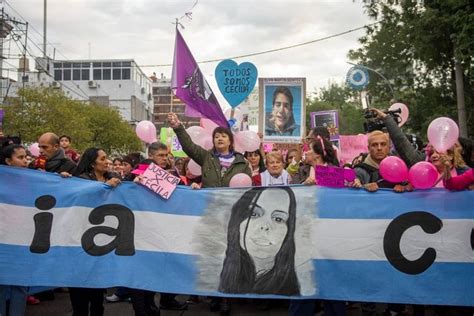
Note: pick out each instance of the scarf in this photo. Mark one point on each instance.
(225, 160)
(55, 162)
(268, 180)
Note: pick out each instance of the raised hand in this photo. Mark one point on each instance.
(173, 120)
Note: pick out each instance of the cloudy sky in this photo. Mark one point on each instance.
(144, 30)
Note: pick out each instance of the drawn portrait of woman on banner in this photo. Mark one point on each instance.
(260, 254)
(280, 114)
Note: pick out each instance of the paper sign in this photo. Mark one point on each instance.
(351, 147)
(330, 176)
(168, 137)
(159, 181)
(328, 119)
(235, 82)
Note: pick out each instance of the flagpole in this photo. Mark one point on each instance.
(169, 129)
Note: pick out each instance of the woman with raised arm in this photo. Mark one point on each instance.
(220, 163)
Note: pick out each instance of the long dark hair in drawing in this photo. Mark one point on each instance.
(245, 268)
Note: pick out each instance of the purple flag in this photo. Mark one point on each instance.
(191, 87)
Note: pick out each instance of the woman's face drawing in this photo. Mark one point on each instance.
(281, 110)
(267, 227)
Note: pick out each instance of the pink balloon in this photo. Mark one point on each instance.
(423, 175)
(208, 143)
(403, 115)
(393, 169)
(195, 132)
(194, 168)
(443, 133)
(146, 131)
(34, 149)
(205, 141)
(237, 145)
(247, 141)
(240, 180)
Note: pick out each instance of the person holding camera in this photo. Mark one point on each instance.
(402, 145)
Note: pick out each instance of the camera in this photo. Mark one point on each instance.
(374, 124)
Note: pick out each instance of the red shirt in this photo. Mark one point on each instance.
(460, 182)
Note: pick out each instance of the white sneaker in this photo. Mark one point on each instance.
(113, 298)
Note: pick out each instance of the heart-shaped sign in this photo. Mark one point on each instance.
(235, 82)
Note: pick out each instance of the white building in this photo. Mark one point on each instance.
(118, 83)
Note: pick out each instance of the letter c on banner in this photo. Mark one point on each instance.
(393, 235)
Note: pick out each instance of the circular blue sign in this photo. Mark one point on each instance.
(357, 78)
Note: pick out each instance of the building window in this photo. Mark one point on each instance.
(126, 74)
(76, 74)
(85, 74)
(67, 74)
(58, 75)
(106, 74)
(97, 74)
(116, 73)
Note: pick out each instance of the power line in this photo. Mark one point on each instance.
(31, 40)
(273, 50)
(37, 32)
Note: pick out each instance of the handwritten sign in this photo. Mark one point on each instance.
(333, 177)
(235, 82)
(159, 181)
(330, 176)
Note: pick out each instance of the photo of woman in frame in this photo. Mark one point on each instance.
(260, 254)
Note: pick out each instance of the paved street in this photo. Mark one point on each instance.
(61, 305)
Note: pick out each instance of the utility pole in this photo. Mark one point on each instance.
(462, 120)
(5, 29)
(45, 17)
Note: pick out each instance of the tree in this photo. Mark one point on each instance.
(40, 110)
(414, 46)
(342, 99)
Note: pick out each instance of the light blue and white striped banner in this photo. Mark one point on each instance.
(299, 241)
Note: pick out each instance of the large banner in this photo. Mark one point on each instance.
(298, 241)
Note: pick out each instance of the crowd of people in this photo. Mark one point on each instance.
(219, 165)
